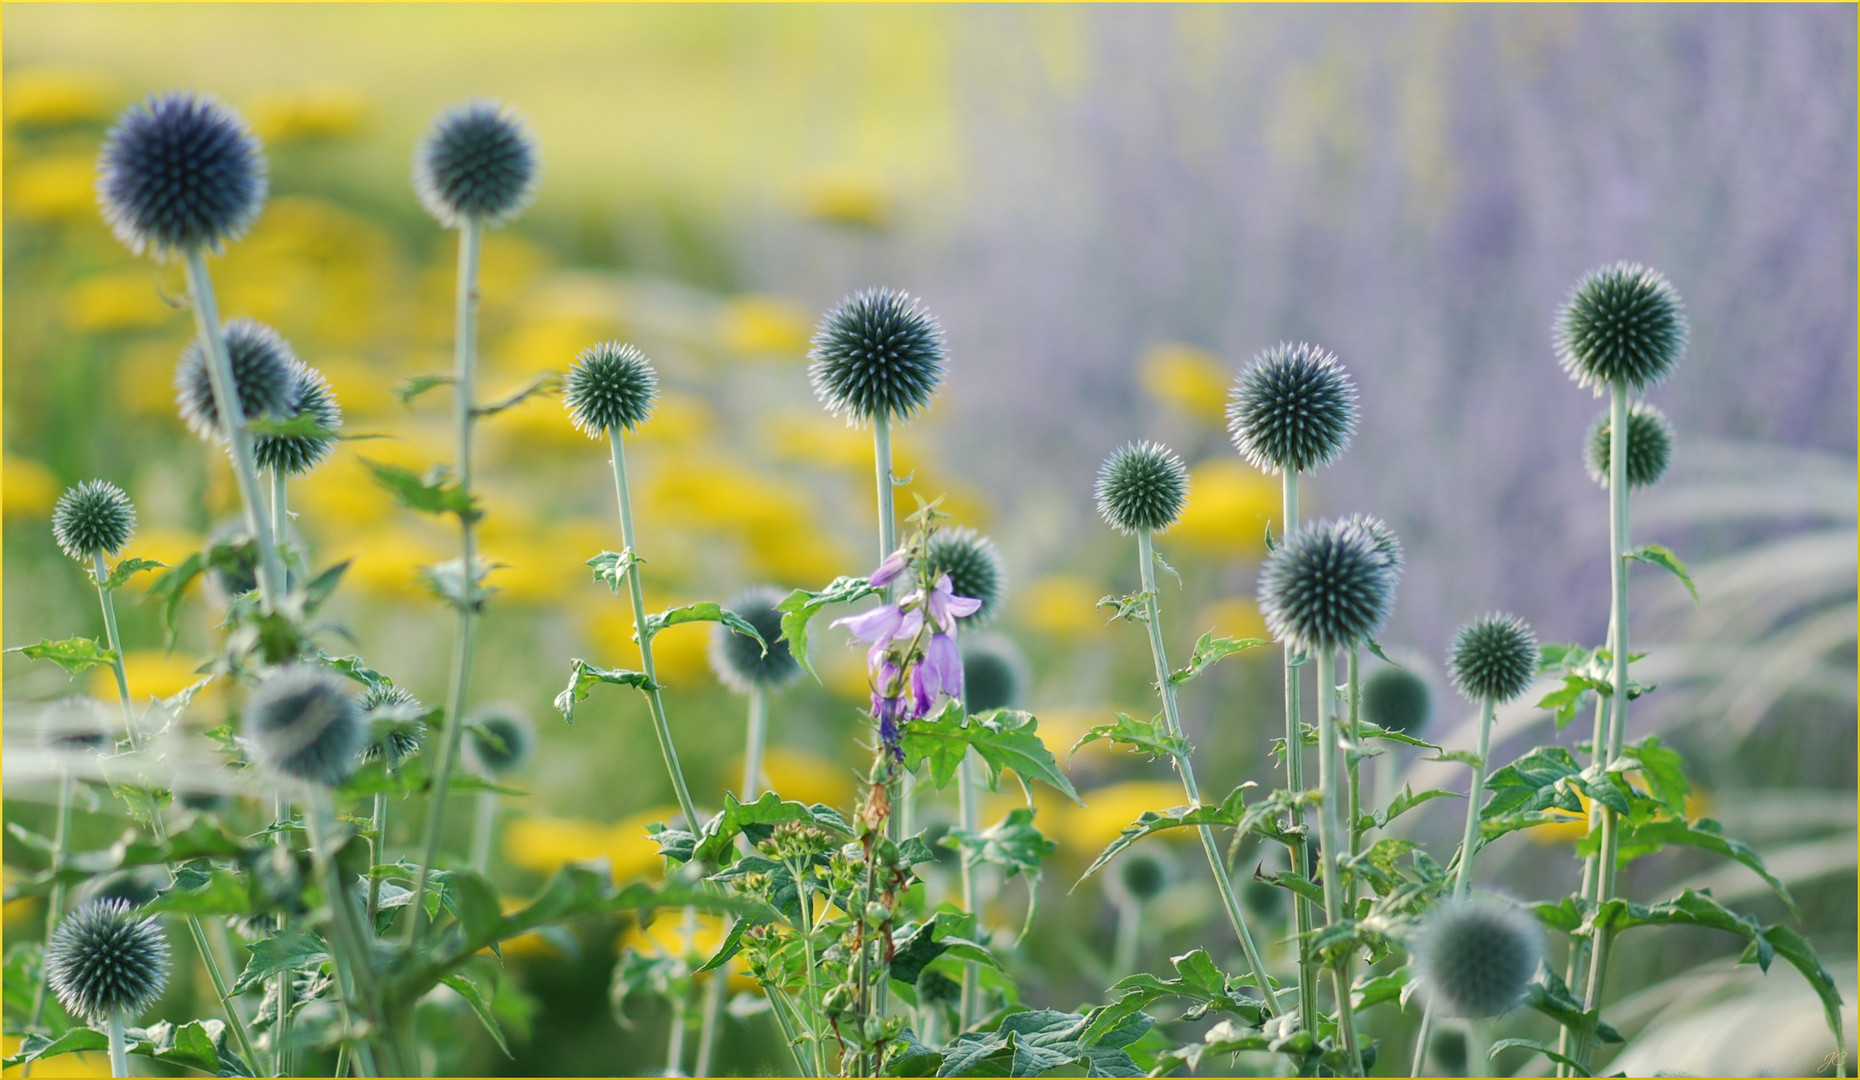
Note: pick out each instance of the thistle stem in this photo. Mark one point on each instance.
(1217, 862)
(675, 1048)
(378, 856)
(1129, 931)
(119, 1048)
(282, 1027)
(1330, 839)
(353, 957)
(465, 411)
(753, 741)
(280, 517)
(483, 831)
(1578, 947)
(968, 819)
(901, 792)
(233, 420)
(1295, 780)
(1462, 879)
(779, 1008)
(1351, 764)
(55, 904)
(713, 1019)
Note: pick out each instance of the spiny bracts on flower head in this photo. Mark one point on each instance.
(400, 742)
(302, 722)
(477, 162)
(738, 659)
(501, 739)
(974, 567)
(103, 960)
(1327, 587)
(1622, 323)
(94, 516)
(1142, 487)
(180, 172)
(294, 455)
(1476, 956)
(1649, 448)
(1397, 699)
(264, 374)
(993, 673)
(611, 386)
(1383, 537)
(877, 355)
(1292, 409)
(1493, 658)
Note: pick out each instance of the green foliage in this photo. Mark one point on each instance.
(612, 567)
(703, 611)
(1003, 739)
(1655, 555)
(1210, 650)
(799, 609)
(582, 678)
(75, 655)
(426, 495)
(1149, 823)
(198, 1044)
(1150, 737)
(1029, 1044)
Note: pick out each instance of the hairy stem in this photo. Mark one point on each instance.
(483, 831)
(1462, 880)
(1128, 936)
(887, 543)
(1351, 763)
(1302, 913)
(55, 904)
(119, 1045)
(782, 1009)
(1330, 839)
(713, 1020)
(968, 819)
(350, 944)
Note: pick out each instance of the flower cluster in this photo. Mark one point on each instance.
(908, 671)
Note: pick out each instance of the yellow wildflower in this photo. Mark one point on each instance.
(800, 774)
(52, 97)
(318, 113)
(56, 188)
(117, 300)
(545, 844)
(1187, 377)
(845, 198)
(814, 438)
(151, 673)
(1230, 507)
(763, 326)
(1062, 605)
(1087, 829)
(27, 488)
(666, 936)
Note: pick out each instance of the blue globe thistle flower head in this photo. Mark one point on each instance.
(303, 723)
(1142, 875)
(1292, 409)
(611, 387)
(102, 960)
(265, 376)
(738, 660)
(1622, 323)
(1142, 487)
(877, 355)
(95, 516)
(1649, 446)
(398, 743)
(1328, 587)
(994, 674)
(295, 455)
(478, 162)
(1476, 956)
(1397, 699)
(974, 567)
(1493, 658)
(501, 739)
(1382, 537)
(180, 172)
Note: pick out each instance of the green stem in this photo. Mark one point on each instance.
(1579, 947)
(1462, 880)
(1351, 763)
(1302, 912)
(119, 1049)
(280, 516)
(114, 640)
(713, 1020)
(55, 904)
(780, 1008)
(1217, 862)
(353, 958)
(1419, 1065)
(1129, 930)
(378, 855)
(483, 831)
(888, 543)
(817, 1049)
(283, 1025)
(675, 1047)
(1330, 839)
(968, 819)
(238, 437)
(753, 740)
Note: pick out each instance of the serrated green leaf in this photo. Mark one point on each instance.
(716, 841)
(916, 944)
(1013, 843)
(292, 950)
(1548, 994)
(319, 589)
(1527, 1044)
(584, 675)
(1210, 650)
(128, 568)
(799, 609)
(75, 655)
(408, 389)
(1707, 835)
(476, 982)
(427, 496)
(1003, 739)
(546, 382)
(446, 581)
(1150, 738)
(612, 568)
(703, 611)
(199, 888)
(1131, 606)
(1151, 822)
(1655, 555)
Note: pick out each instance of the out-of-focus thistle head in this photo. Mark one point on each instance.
(302, 722)
(103, 960)
(738, 659)
(1383, 537)
(264, 376)
(180, 172)
(295, 455)
(1649, 446)
(1476, 956)
(1622, 323)
(610, 387)
(1327, 587)
(1141, 876)
(1448, 1050)
(1142, 487)
(1493, 658)
(501, 739)
(1292, 409)
(134, 886)
(397, 743)
(974, 567)
(1397, 699)
(878, 355)
(476, 163)
(994, 674)
(95, 516)
(75, 723)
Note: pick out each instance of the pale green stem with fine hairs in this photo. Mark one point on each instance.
(779, 1007)
(483, 831)
(1129, 931)
(1351, 763)
(1330, 839)
(968, 815)
(1217, 862)
(675, 1048)
(280, 516)
(1578, 947)
(119, 1049)
(283, 1028)
(898, 821)
(1295, 780)
(715, 990)
(55, 904)
(354, 966)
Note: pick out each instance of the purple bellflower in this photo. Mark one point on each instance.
(906, 682)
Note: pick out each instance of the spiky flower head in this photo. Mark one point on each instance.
(501, 738)
(95, 516)
(1649, 446)
(1475, 956)
(877, 355)
(180, 172)
(611, 386)
(1142, 487)
(264, 375)
(1622, 323)
(398, 743)
(75, 723)
(303, 722)
(1397, 699)
(1141, 876)
(994, 674)
(1492, 658)
(1383, 537)
(103, 960)
(974, 567)
(738, 659)
(1292, 409)
(1327, 587)
(477, 162)
(295, 455)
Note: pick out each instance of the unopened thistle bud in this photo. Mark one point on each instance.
(1396, 699)
(1142, 487)
(501, 739)
(994, 674)
(1476, 956)
(94, 517)
(264, 374)
(1493, 658)
(1292, 409)
(611, 387)
(1649, 446)
(878, 355)
(974, 567)
(398, 743)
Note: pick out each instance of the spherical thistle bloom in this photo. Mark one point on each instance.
(477, 162)
(974, 567)
(295, 455)
(95, 516)
(1292, 409)
(611, 386)
(1492, 658)
(400, 742)
(1397, 699)
(1622, 323)
(1649, 446)
(180, 172)
(1475, 956)
(1141, 876)
(878, 355)
(1383, 537)
(264, 374)
(501, 739)
(993, 673)
(303, 722)
(1142, 487)
(1328, 587)
(738, 659)
(103, 960)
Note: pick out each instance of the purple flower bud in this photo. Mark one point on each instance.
(888, 571)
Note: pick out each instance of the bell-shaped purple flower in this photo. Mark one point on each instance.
(889, 570)
(945, 607)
